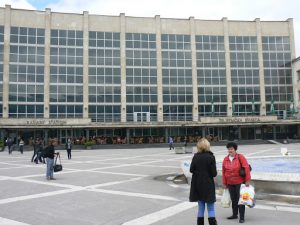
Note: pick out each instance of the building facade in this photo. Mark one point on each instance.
(144, 79)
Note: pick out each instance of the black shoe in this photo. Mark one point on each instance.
(212, 221)
(241, 221)
(232, 217)
(200, 220)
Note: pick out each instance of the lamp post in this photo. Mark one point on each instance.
(272, 108)
(212, 108)
(253, 107)
(233, 107)
(292, 106)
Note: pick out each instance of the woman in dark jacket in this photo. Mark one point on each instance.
(203, 168)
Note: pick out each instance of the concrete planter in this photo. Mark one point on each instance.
(188, 149)
(180, 150)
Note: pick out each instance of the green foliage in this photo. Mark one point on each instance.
(89, 143)
(1, 145)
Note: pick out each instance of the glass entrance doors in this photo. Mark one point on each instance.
(141, 116)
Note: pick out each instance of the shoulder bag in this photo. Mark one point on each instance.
(242, 169)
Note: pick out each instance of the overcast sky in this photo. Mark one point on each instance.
(200, 9)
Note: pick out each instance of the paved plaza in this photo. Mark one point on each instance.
(119, 186)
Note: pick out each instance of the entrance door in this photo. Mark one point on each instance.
(141, 116)
(212, 133)
(65, 134)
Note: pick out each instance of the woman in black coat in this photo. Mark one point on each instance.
(203, 168)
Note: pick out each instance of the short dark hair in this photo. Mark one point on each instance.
(232, 145)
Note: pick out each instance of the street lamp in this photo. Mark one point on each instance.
(253, 107)
(272, 108)
(292, 106)
(212, 108)
(233, 107)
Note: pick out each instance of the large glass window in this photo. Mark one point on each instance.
(177, 77)
(278, 75)
(104, 76)
(211, 75)
(244, 75)
(141, 76)
(66, 74)
(26, 78)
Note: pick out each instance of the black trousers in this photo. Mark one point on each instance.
(69, 153)
(234, 191)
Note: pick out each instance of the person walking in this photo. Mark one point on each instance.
(203, 169)
(21, 145)
(69, 147)
(40, 158)
(185, 141)
(232, 180)
(50, 153)
(9, 144)
(171, 142)
(35, 150)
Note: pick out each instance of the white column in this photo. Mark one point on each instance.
(6, 59)
(293, 56)
(194, 69)
(47, 63)
(160, 116)
(228, 68)
(123, 66)
(261, 69)
(85, 64)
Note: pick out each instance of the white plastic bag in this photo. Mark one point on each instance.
(226, 200)
(247, 196)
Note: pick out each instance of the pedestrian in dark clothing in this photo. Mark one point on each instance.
(35, 150)
(9, 144)
(203, 168)
(40, 152)
(185, 141)
(69, 147)
(50, 153)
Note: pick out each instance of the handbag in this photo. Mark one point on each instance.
(57, 167)
(226, 200)
(242, 169)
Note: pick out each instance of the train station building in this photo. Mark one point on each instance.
(121, 79)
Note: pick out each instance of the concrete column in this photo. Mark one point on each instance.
(228, 68)
(194, 69)
(274, 132)
(47, 63)
(167, 134)
(46, 136)
(87, 132)
(160, 116)
(293, 56)
(127, 136)
(123, 66)
(6, 59)
(203, 131)
(239, 133)
(261, 69)
(85, 64)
